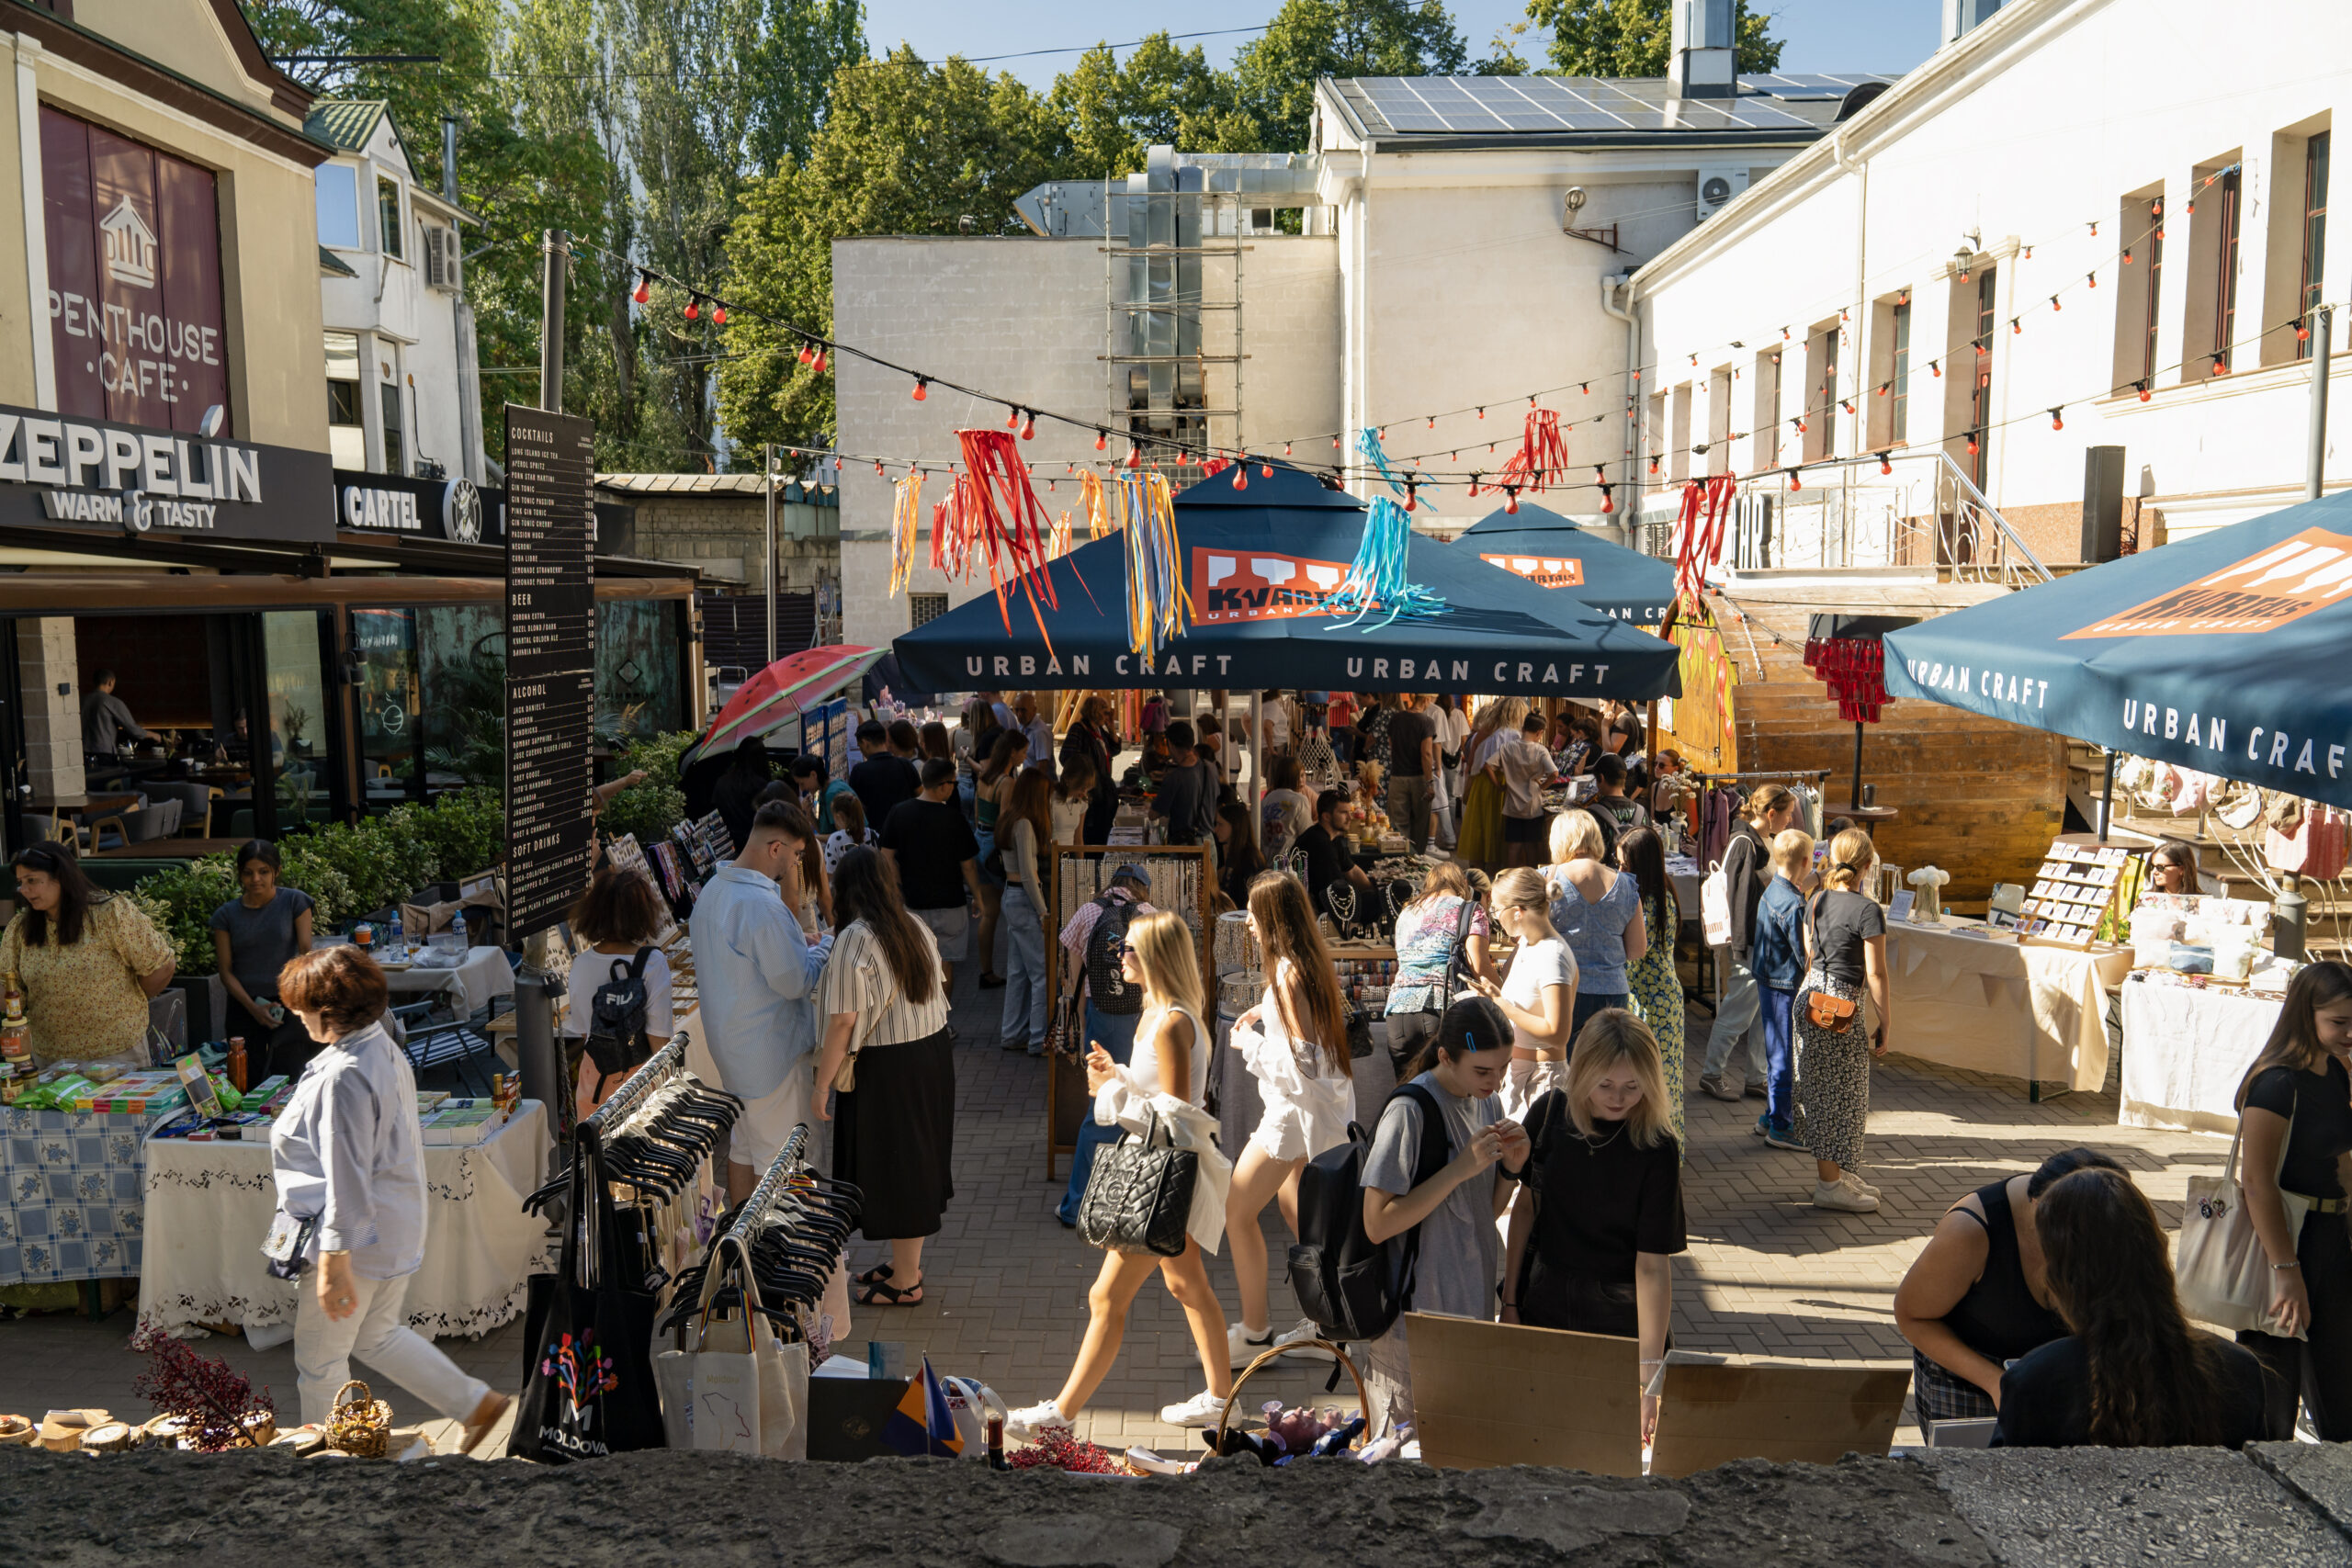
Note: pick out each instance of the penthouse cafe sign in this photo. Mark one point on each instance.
(88, 474)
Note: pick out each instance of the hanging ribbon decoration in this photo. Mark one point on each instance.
(1057, 539)
(1699, 533)
(906, 519)
(1542, 457)
(1376, 578)
(1101, 504)
(1159, 610)
(1001, 513)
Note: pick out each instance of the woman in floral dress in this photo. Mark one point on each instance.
(1657, 989)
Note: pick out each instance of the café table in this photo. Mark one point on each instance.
(1968, 996)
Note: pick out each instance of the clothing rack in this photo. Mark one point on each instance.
(1801, 774)
(755, 1207)
(660, 1068)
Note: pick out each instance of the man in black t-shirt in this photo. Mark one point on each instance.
(1412, 764)
(1326, 862)
(930, 847)
(885, 780)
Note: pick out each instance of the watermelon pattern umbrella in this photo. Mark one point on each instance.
(781, 693)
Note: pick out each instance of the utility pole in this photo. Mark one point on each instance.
(2322, 318)
(556, 249)
(767, 484)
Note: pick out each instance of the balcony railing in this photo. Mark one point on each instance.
(1926, 515)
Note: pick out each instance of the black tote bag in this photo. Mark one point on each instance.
(1140, 1195)
(587, 1343)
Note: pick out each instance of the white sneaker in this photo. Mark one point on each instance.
(1843, 1194)
(1240, 1349)
(1201, 1410)
(1036, 1421)
(1864, 1186)
(1302, 1333)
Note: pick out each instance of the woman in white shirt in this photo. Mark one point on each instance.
(619, 918)
(851, 831)
(1072, 798)
(1295, 1044)
(1162, 1083)
(1538, 992)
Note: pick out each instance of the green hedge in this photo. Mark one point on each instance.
(650, 809)
(347, 871)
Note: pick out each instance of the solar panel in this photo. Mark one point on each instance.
(1492, 105)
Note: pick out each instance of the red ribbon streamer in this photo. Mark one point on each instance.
(1541, 457)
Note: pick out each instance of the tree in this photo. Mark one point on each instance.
(1308, 39)
(1161, 95)
(906, 148)
(1632, 37)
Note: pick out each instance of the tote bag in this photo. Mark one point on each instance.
(1139, 1196)
(739, 1389)
(588, 1385)
(2223, 1274)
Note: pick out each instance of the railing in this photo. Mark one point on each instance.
(1847, 515)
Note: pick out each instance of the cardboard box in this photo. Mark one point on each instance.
(1498, 1394)
(1714, 1413)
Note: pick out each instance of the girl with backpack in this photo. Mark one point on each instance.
(620, 987)
(1162, 1083)
(1444, 1185)
(1599, 1217)
(1295, 1042)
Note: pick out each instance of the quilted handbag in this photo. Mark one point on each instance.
(1140, 1195)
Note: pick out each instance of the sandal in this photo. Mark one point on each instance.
(882, 1293)
(480, 1427)
(874, 1276)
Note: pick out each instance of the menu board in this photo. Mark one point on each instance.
(550, 665)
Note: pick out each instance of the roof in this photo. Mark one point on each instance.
(345, 124)
(1548, 110)
(333, 265)
(747, 485)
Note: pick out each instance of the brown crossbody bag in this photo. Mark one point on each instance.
(1826, 1010)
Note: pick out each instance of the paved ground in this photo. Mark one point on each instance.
(1767, 1274)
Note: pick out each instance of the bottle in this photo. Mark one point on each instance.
(237, 1062)
(400, 937)
(996, 1443)
(16, 1038)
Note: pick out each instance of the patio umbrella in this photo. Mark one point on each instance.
(1260, 566)
(779, 693)
(2223, 653)
(1551, 551)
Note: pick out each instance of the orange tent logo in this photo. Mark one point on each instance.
(1259, 585)
(2260, 593)
(1545, 571)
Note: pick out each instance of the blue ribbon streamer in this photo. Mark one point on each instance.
(1375, 579)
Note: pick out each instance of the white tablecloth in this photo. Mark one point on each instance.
(484, 974)
(2185, 1051)
(1990, 1006)
(209, 1204)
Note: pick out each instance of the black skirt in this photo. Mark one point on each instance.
(893, 1136)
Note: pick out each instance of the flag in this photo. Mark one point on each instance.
(922, 1424)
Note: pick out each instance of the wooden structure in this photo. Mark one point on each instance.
(2075, 890)
(1977, 796)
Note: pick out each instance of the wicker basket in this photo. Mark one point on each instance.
(18, 1431)
(1232, 1401)
(362, 1427)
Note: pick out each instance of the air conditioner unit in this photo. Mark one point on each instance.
(1717, 185)
(442, 265)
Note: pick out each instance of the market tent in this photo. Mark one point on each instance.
(2221, 653)
(1259, 565)
(1552, 552)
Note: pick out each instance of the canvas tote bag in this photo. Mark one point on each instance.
(2223, 1274)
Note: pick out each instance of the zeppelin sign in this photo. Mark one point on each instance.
(89, 473)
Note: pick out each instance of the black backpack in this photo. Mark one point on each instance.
(1351, 1287)
(618, 1042)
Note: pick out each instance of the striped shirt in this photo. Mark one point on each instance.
(858, 978)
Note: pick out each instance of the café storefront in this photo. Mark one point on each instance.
(296, 645)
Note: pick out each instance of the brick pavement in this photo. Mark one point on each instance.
(1767, 1274)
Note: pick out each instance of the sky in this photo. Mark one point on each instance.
(1819, 35)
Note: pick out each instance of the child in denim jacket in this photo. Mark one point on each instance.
(1778, 961)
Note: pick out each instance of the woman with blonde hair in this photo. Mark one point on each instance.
(1481, 840)
(1597, 909)
(1537, 994)
(1846, 954)
(1161, 1087)
(1295, 1042)
(1598, 1215)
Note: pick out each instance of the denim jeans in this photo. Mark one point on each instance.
(1026, 1003)
(1735, 1016)
(1115, 1032)
(1778, 1023)
(1587, 1004)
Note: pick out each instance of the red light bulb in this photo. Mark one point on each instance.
(2221, 365)
(718, 315)
(1793, 484)
(1608, 501)
(644, 289)
(2057, 421)
(1511, 501)
(1029, 428)
(2055, 306)
(1936, 368)
(1971, 446)
(1241, 476)
(1265, 470)
(1101, 441)
(694, 309)
(1884, 467)
(806, 353)
(1285, 448)
(2144, 392)
(878, 470)
(923, 389)
(821, 362)
(1012, 417)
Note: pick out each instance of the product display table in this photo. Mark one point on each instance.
(2185, 1051)
(210, 1203)
(72, 1208)
(1986, 1005)
(484, 974)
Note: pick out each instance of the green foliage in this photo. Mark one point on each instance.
(1275, 72)
(650, 810)
(465, 832)
(1630, 37)
(181, 899)
(1161, 95)
(381, 857)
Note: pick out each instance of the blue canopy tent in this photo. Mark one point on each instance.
(1259, 565)
(1552, 552)
(2222, 653)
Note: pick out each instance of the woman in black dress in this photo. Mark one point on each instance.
(1977, 1296)
(1598, 1215)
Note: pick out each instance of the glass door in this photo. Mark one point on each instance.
(300, 753)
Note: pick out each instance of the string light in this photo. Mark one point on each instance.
(1792, 481)
(806, 353)
(1972, 444)
(1511, 501)
(718, 314)
(644, 289)
(1285, 448)
(1608, 499)
(2144, 392)
(694, 307)
(1241, 475)
(1884, 467)
(1012, 417)
(2094, 277)
(2055, 306)
(820, 362)
(1101, 441)
(1265, 470)
(2016, 326)
(2127, 256)
(1029, 428)
(878, 470)
(2057, 420)
(922, 391)
(2221, 365)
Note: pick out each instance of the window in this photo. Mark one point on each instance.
(387, 217)
(2315, 237)
(2155, 287)
(338, 185)
(1980, 387)
(347, 421)
(1765, 444)
(395, 430)
(1678, 435)
(2225, 195)
(1820, 409)
(1898, 388)
(924, 608)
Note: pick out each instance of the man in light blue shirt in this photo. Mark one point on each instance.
(758, 976)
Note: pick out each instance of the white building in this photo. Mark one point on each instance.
(1452, 238)
(403, 375)
(2082, 224)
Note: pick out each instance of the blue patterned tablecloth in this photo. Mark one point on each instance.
(74, 1207)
